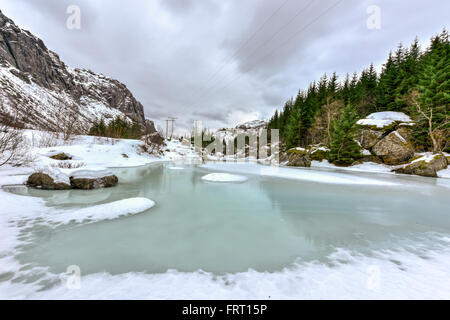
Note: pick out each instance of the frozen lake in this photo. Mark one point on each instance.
(396, 228)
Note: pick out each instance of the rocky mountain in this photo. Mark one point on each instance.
(250, 127)
(39, 91)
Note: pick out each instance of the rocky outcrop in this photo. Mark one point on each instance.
(425, 166)
(39, 91)
(255, 125)
(393, 149)
(385, 137)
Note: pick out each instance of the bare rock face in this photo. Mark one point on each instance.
(36, 86)
(44, 181)
(424, 168)
(149, 126)
(393, 149)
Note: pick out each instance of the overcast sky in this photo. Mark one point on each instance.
(224, 61)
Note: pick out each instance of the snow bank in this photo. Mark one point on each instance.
(91, 174)
(175, 168)
(224, 177)
(57, 175)
(384, 119)
(95, 153)
(108, 211)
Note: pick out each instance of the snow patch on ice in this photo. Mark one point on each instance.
(224, 177)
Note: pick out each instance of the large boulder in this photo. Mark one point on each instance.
(49, 179)
(298, 157)
(394, 149)
(88, 180)
(426, 166)
(368, 137)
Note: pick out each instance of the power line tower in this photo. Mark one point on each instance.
(172, 120)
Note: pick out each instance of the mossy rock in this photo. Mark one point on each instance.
(61, 156)
(297, 151)
(319, 155)
(95, 183)
(425, 169)
(44, 181)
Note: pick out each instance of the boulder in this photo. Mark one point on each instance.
(154, 139)
(424, 166)
(46, 181)
(394, 149)
(368, 137)
(88, 180)
(319, 154)
(61, 156)
(298, 157)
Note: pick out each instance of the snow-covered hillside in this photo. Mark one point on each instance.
(39, 91)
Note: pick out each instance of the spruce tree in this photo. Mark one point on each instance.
(431, 108)
(344, 149)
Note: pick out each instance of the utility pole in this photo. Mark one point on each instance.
(167, 129)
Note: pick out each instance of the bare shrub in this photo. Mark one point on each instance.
(44, 139)
(68, 165)
(14, 149)
(67, 122)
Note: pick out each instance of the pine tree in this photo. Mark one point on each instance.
(344, 93)
(431, 108)
(387, 85)
(344, 149)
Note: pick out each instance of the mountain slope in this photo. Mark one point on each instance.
(39, 91)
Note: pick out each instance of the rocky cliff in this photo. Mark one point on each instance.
(39, 91)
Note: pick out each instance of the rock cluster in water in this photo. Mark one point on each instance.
(85, 180)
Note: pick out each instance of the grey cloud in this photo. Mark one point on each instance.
(167, 51)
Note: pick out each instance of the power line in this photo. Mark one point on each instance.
(243, 45)
(287, 40)
(259, 47)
